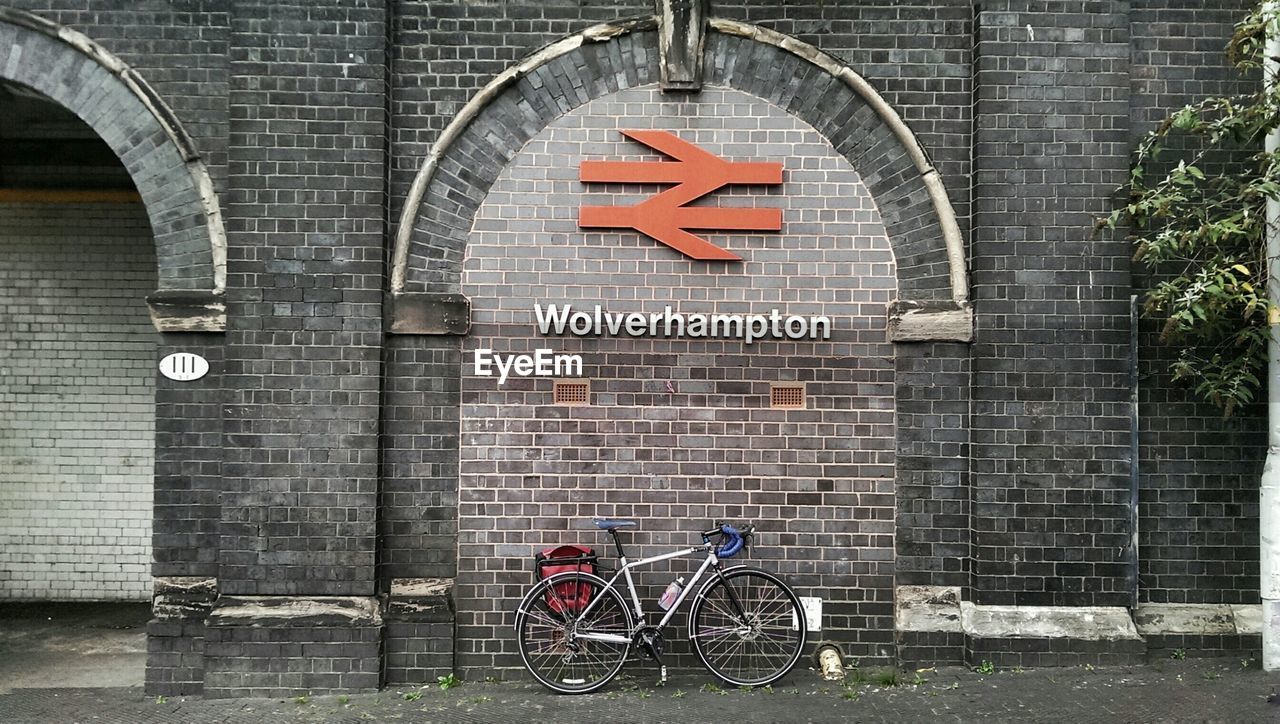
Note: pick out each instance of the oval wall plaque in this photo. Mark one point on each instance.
(184, 366)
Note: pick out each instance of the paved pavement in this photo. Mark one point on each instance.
(72, 644)
(1169, 691)
(68, 663)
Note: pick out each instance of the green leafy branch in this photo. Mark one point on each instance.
(1201, 224)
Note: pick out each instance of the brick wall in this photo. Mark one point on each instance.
(1050, 484)
(77, 355)
(290, 107)
(915, 52)
(304, 290)
(679, 432)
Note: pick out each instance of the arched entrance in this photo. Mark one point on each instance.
(111, 233)
(77, 440)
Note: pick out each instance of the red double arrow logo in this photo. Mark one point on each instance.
(666, 216)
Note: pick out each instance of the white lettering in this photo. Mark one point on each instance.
(523, 365)
(730, 325)
(613, 322)
(542, 363)
(504, 366)
(698, 325)
(561, 320)
(551, 321)
(568, 365)
(757, 325)
(669, 318)
(581, 323)
(482, 359)
(797, 327)
(636, 325)
(823, 323)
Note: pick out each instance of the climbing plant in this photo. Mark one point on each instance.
(1195, 203)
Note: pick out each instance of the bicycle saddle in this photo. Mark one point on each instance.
(605, 524)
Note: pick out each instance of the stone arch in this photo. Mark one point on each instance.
(158, 154)
(806, 82)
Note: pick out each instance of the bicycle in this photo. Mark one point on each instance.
(747, 626)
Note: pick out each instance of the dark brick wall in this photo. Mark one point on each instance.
(932, 538)
(188, 475)
(244, 659)
(304, 303)
(1198, 526)
(419, 506)
(1050, 485)
(288, 105)
(917, 54)
(175, 657)
(460, 46)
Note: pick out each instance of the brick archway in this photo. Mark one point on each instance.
(807, 83)
(161, 159)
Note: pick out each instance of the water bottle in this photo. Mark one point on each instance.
(669, 596)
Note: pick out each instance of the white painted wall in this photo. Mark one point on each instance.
(77, 419)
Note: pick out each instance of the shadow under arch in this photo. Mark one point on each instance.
(812, 85)
(159, 156)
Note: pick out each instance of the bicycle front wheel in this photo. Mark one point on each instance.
(747, 627)
(574, 632)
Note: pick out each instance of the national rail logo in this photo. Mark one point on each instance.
(667, 216)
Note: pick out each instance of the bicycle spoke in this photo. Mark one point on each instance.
(755, 646)
(548, 634)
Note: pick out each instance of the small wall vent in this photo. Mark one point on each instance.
(787, 395)
(572, 392)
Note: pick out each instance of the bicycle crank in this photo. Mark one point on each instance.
(650, 640)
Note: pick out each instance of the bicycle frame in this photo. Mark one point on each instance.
(624, 572)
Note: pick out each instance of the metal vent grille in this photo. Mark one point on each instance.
(572, 392)
(787, 394)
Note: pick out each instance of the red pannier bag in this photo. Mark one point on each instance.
(563, 559)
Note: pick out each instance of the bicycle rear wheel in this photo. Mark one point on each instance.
(747, 627)
(550, 631)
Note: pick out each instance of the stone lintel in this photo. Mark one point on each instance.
(1200, 619)
(927, 608)
(295, 611)
(184, 586)
(421, 599)
(182, 597)
(930, 322)
(939, 608)
(1248, 618)
(682, 30)
(427, 313)
(188, 310)
(1089, 623)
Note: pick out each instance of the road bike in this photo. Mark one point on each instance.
(575, 630)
